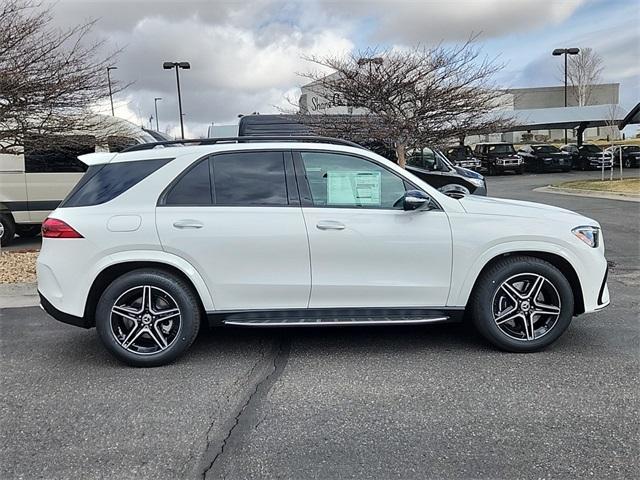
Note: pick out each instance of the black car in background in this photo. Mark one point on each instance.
(587, 157)
(462, 156)
(434, 168)
(498, 157)
(544, 158)
(630, 155)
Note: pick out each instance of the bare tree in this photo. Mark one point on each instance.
(413, 97)
(584, 71)
(49, 78)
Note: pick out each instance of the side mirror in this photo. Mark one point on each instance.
(414, 199)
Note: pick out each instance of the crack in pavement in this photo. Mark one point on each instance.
(265, 373)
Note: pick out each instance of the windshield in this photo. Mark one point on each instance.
(545, 149)
(631, 148)
(506, 148)
(590, 149)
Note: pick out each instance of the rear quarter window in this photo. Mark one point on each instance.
(103, 183)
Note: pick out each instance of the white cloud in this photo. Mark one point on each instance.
(428, 21)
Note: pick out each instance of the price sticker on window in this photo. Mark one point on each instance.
(353, 187)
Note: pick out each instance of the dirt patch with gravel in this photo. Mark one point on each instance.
(18, 267)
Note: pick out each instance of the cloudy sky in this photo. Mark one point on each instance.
(247, 55)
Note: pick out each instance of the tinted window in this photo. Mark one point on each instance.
(347, 181)
(102, 183)
(546, 149)
(193, 188)
(249, 178)
(501, 149)
(56, 153)
(590, 149)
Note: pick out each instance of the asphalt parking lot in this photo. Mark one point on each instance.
(404, 402)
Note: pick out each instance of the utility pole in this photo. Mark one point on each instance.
(155, 104)
(110, 93)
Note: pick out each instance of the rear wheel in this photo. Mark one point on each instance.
(28, 231)
(7, 230)
(148, 317)
(522, 304)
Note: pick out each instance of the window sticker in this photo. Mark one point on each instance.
(353, 187)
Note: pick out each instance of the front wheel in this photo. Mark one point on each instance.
(522, 304)
(148, 317)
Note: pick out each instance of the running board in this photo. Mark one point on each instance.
(250, 321)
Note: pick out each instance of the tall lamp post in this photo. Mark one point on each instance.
(565, 51)
(177, 66)
(110, 94)
(155, 105)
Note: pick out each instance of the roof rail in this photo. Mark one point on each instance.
(248, 138)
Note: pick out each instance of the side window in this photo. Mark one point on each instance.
(249, 179)
(193, 188)
(414, 159)
(103, 183)
(346, 181)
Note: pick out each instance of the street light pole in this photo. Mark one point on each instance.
(110, 93)
(155, 105)
(565, 51)
(178, 65)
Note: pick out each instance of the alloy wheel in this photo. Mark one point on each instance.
(526, 306)
(145, 320)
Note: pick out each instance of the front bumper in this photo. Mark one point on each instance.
(62, 316)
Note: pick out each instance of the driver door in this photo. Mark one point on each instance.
(366, 251)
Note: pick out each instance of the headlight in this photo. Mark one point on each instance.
(589, 235)
(478, 182)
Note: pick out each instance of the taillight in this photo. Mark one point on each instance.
(54, 228)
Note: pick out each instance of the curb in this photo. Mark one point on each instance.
(15, 295)
(625, 197)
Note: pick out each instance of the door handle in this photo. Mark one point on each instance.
(330, 225)
(182, 224)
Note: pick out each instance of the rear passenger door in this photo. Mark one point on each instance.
(236, 217)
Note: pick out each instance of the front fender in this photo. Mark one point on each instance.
(465, 279)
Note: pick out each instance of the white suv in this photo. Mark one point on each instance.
(314, 232)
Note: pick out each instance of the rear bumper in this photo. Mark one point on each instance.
(62, 316)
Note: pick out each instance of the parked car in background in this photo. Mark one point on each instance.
(35, 182)
(498, 157)
(587, 157)
(431, 166)
(630, 155)
(544, 158)
(462, 156)
(198, 234)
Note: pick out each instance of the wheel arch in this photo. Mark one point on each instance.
(115, 270)
(557, 261)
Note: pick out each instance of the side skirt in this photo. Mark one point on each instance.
(335, 317)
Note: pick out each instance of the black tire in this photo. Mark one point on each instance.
(487, 294)
(627, 163)
(28, 231)
(491, 170)
(7, 229)
(520, 171)
(169, 288)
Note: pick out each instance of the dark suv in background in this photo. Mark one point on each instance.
(544, 158)
(462, 156)
(498, 157)
(433, 167)
(587, 157)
